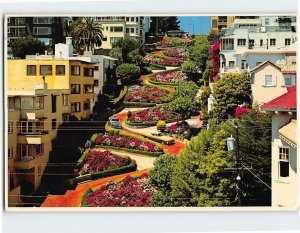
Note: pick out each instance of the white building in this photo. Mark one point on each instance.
(115, 28)
(243, 48)
(284, 149)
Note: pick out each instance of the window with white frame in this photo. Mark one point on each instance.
(65, 99)
(267, 21)
(272, 42)
(227, 44)
(42, 31)
(39, 102)
(75, 70)
(287, 41)
(10, 153)
(268, 80)
(42, 20)
(241, 42)
(39, 149)
(114, 39)
(288, 80)
(27, 102)
(26, 127)
(75, 107)
(10, 127)
(284, 164)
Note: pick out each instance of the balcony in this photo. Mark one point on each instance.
(230, 69)
(26, 162)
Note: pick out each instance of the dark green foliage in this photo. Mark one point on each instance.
(116, 53)
(128, 73)
(184, 106)
(232, 90)
(126, 45)
(164, 24)
(135, 57)
(199, 53)
(191, 69)
(28, 46)
(205, 93)
(207, 72)
(188, 89)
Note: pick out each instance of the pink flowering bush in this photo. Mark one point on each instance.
(174, 62)
(174, 41)
(97, 161)
(126, 142)
(130, 192)
(154, 114)
(170, 77)
(215, 57)
(148, 94)
(241, 110)
(176, 52)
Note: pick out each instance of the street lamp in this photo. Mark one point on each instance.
(230, 143)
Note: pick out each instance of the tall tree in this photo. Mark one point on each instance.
(126, 45)
(164, 24)
(28, 46)
(87, 33)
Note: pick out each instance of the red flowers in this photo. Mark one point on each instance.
(170, 77)
(162, 61)
(148, 94)
(128, 193)
(126, 142)
(176, 52)
(96, 161)
(241, 110)
(153, 115)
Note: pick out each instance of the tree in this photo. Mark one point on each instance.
(128, 72)
(135, 57)
(206, 76)
(187, 89)
(164, 24)
(199, 53)
(190, 68)
(86, 33)
(116, 53)
(232, 90)
(184, 106)
(199, 177)
(126, 45)
(28, 46)
(214, 36)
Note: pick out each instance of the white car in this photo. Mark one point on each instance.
(114, 122)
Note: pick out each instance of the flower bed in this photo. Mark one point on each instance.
(170, 77)
(148, 95)
(176, 52)
(127, 143)
(173, 41)
(161, 61)
(130, 192)
(97, 161)
(151, 116)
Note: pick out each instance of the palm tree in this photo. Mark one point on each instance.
(87, 33)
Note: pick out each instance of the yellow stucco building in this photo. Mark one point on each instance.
(217, 23)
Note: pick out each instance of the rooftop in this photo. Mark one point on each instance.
(289, 131)
(285, 102)
(281, 67)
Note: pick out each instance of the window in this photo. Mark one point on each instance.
(88, 88)
(53, 103)
(39, 126)
(86, 105)
(289, 80)
(88, 72)
(45, 70)
(10, 153)
(42, 20)
(267, 21)
(39, 170)
(272, 42)
(132, 19)
(42, 31)
(27, 102)
(65, 99)
(96, 83)
(60, 70)
(116, 29)
(127, 19)
(39, 149)
(11, 103)
(231, 64)
(31, 70)
(26, 127)
(96, 68)
(10, 127)
(39, 102)
(127, 30)
(75, 70)
(287, 41)
(75, 107)
(214, 23)
(53, 124)
(268, 81)
(261, 43)
(241, 42)
(243, 64)
(227, 44)
(65, 117)
(114, 39)
(75, 88)
(284, 165)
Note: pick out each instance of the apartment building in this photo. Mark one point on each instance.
(74, 73)
(115, 28)
(243, 48)
(219, 23)
(283, 110)
(33, 118)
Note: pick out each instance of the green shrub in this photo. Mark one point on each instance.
(187, 89)
(128, 72)
(190, 68)
(184, 106)
(93, 138)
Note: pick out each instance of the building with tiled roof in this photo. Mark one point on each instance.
(283, 110)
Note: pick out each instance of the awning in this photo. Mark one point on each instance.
(288, 133)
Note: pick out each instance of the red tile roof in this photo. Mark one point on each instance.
(287, 101)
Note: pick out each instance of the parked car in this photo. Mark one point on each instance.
(114, 122)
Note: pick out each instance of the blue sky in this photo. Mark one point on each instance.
(200, 23)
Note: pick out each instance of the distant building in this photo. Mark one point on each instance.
(269, 81)
(219, 23)
(285, 180)
(177, 33)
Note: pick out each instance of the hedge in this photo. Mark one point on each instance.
(149, 153)
(148, 124)
(80, 160)
(121, 95)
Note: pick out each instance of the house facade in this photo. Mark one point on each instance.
(284, 149)
(269, 81)
(219, 23)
